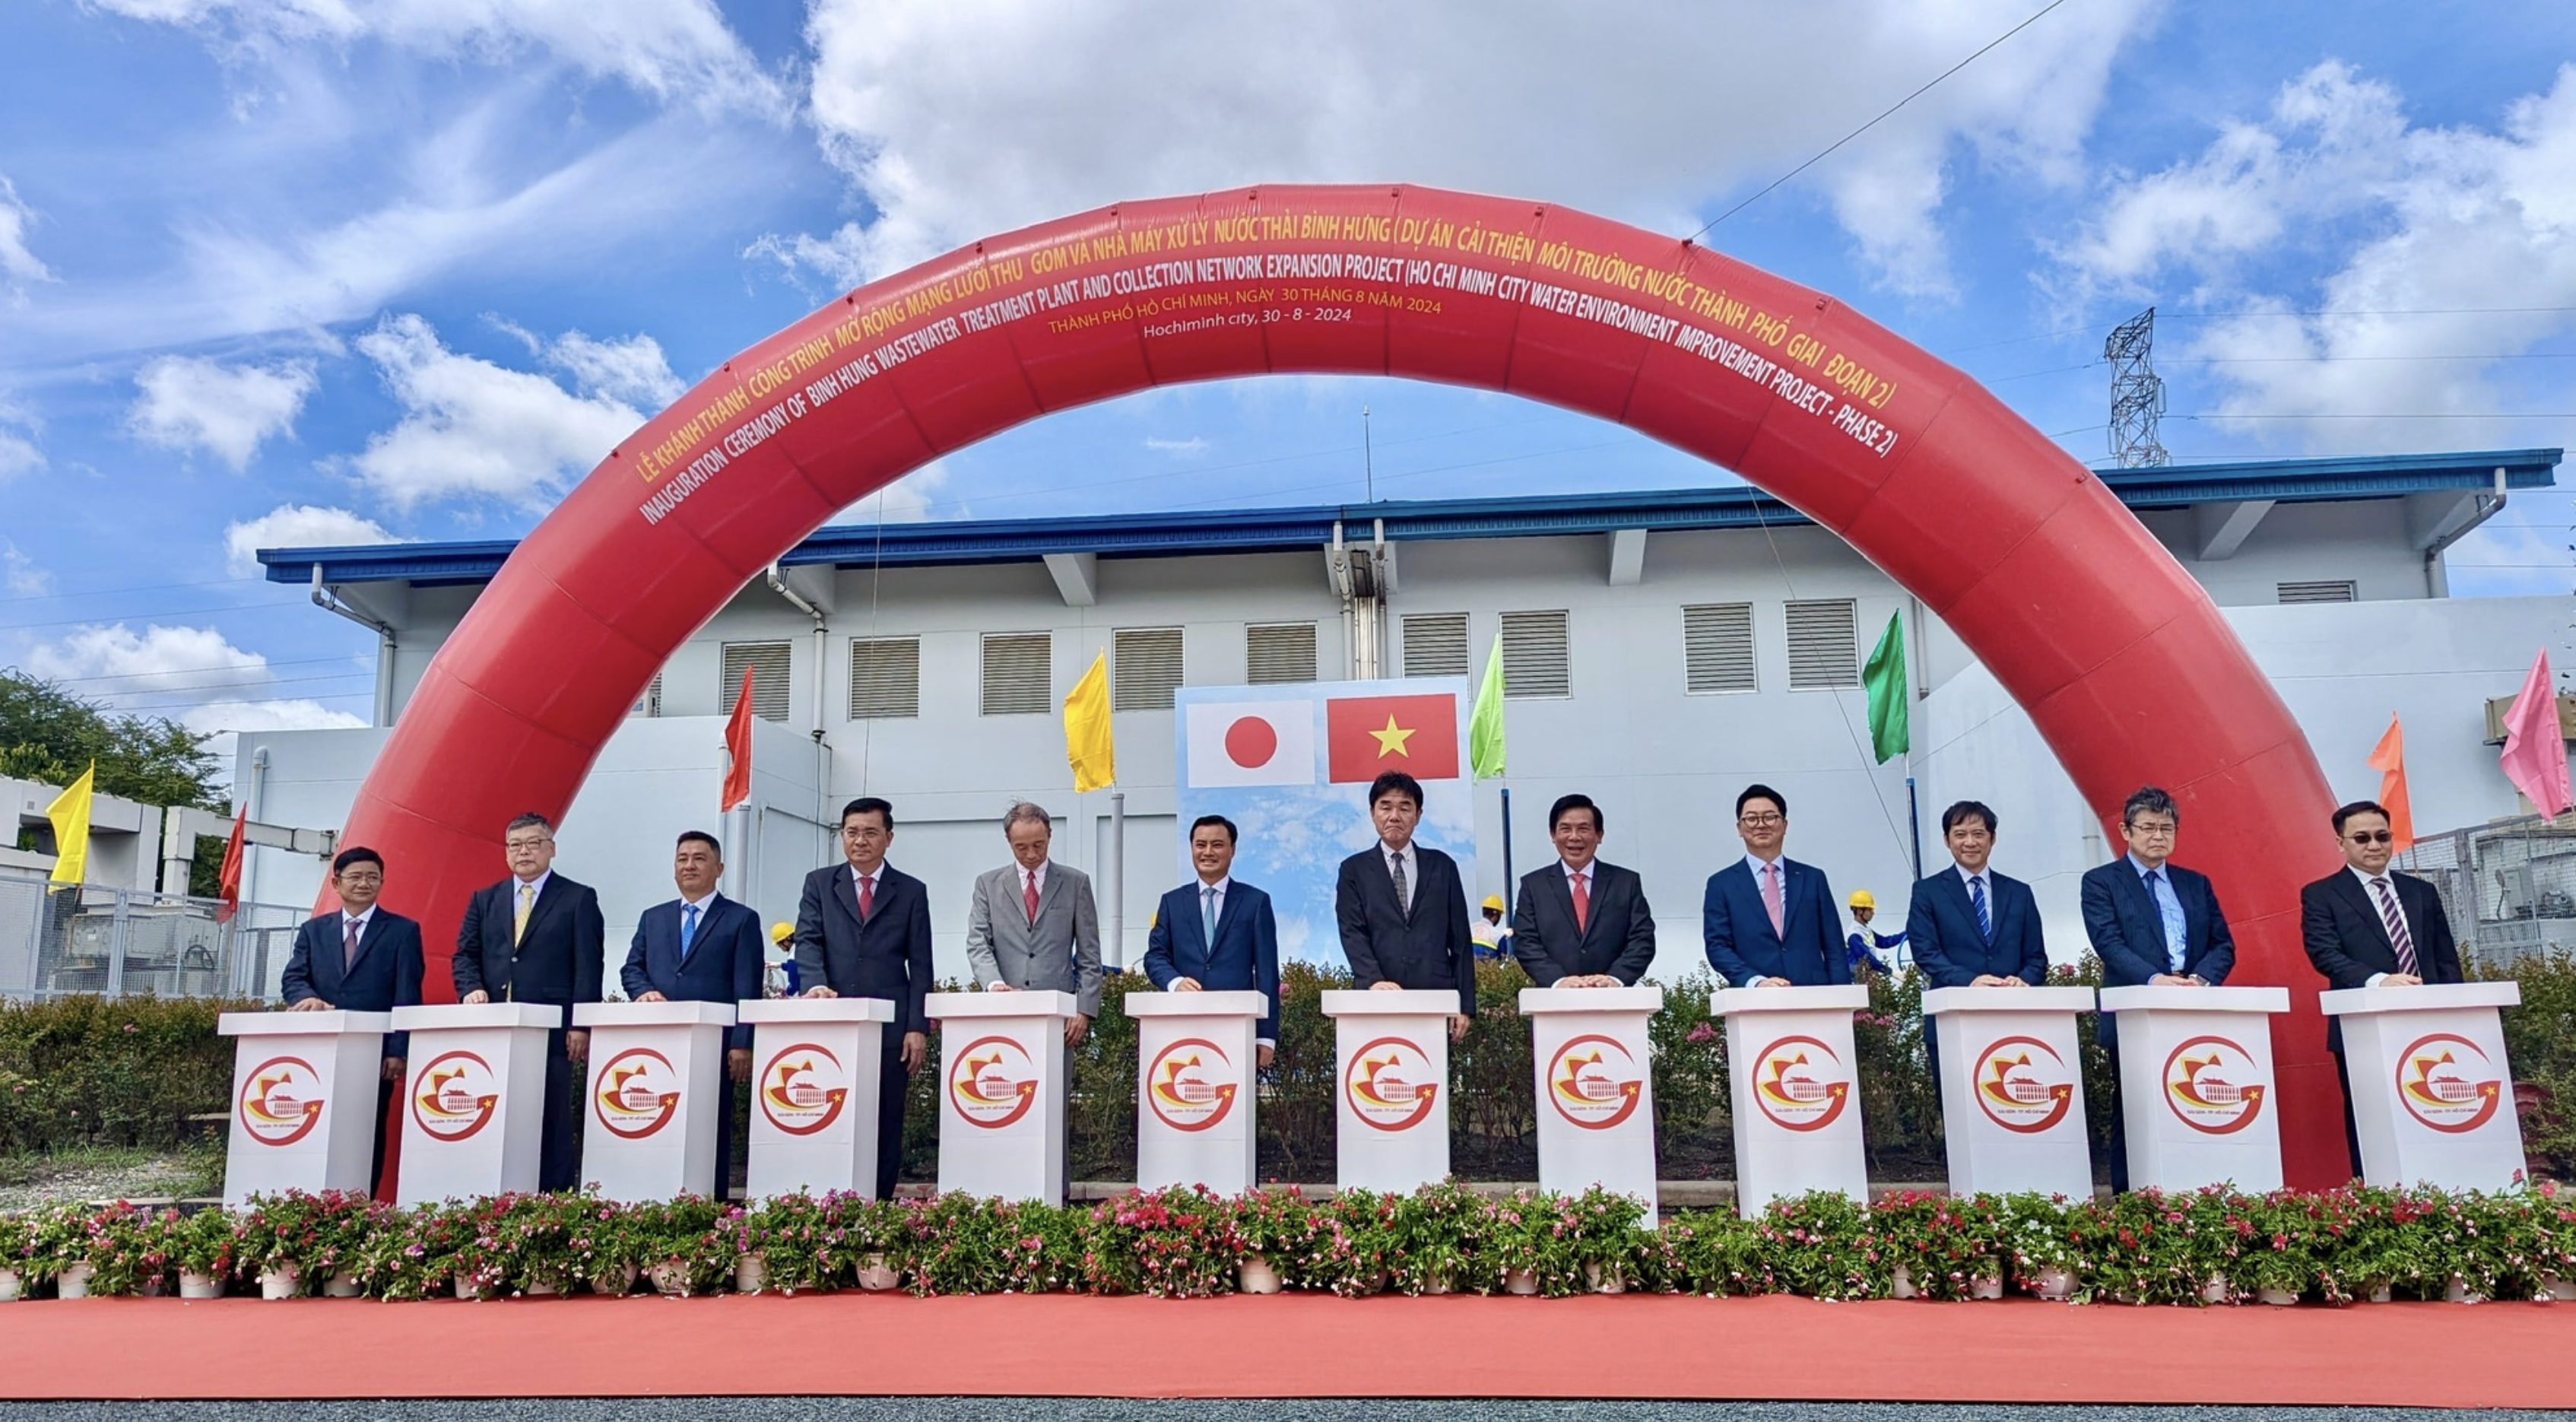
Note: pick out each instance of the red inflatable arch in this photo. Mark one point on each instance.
(2120, 658)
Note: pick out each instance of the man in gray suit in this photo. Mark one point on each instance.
(1033, 924)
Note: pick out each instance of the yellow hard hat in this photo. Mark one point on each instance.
(1494, 902)
(781, 931)
(1861, 899)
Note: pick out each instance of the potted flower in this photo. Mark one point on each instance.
(1273, 1228)
(413, 1255)
(303, 1243)
(1439, 1241)
(128, 1250)
(17, 1241)
(788, 1243)
(1605, 1226)
(207, 1250)
(952, 1244)
(2037, 1245)
(57, 1251)
(1714, 1252)
(679, 1245)
(1171, 1243)
(1043, 1248)
(1536, 1245)
(604, 1249)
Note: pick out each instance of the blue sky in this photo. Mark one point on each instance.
(341, 270)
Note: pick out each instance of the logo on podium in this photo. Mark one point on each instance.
(1190, 1084)
(2447, 1082)
(1391, 1085)
(1593, 1081)
(2024, 1085)
(802, 1089)
(2207, 1085)
(993, 1082)
(639, 1093)
(282, 1101)
(457, 1096)
(1800, 1084)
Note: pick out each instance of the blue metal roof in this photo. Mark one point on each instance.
(1187, 532)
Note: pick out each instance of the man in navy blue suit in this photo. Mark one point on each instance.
(1239, 954)
(362, 958)
(1769, 921)
(863, 930)
(538, 937)
(1970, 926)
(701, 947)
(2153, 923)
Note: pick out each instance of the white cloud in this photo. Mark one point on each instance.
(189, 402)
(906, 500)
(299, 526)
(2423, 234)
(474, 429)
(221, 722)
(959, 118)
(632, 370)
(20, 574)
(19, 265)
(1195, 444)
(120, 667)
(18, 451)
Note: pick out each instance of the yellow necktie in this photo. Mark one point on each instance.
(519, 919)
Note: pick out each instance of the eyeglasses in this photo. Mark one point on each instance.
(514, 846)
(2372, 837)
(2145, 829)
(1759, 821)
(862, 832)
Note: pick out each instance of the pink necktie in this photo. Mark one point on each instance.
(1771, 900)
(1582, 901)
(1031, 897)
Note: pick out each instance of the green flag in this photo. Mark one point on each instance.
(1888, 694)
(1485, 723)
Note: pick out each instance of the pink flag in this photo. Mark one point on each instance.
(2535, 753)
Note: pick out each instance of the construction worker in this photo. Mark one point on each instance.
(1864, 946)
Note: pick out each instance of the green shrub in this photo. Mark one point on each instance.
(127, 1071)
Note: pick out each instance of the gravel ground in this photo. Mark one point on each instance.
(27, 1185)
(951, 1409)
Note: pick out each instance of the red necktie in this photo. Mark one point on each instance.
(1031, 896)
(867, 895)
(1582, 900)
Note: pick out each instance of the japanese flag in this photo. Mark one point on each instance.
(1252, 743)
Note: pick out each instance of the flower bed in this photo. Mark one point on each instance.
(2336, 1247)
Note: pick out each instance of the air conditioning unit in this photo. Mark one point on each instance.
(2498, 706)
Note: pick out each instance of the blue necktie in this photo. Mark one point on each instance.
(1207, 914)
(688, 929)
(1977, 897)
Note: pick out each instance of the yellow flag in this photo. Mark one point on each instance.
(70, 814)
(1086, 729)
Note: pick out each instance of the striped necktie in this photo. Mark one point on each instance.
(2394, 920)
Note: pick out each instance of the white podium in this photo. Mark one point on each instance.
(1796, 1097)
(656, 1083)
(817, 1066)
(304, 1100)
(474, 1102)
(1596, 1086)
(2012, 1089)
(1392, 1059)
(1003, 1073)
(1195, 1057)
(2432, 1095)
(2196, 1096)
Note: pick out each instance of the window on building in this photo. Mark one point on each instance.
(1016, 674)
(1537, 655)
(2328, 591)
(1717, 648)
(885, 678)
(1435, 644)
(1822, 652)
(767, 663)
(1279, 653)
(650, 703)
(1144, 668)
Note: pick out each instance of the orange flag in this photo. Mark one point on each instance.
(737, 781)
(228, 882)
(2389, 759)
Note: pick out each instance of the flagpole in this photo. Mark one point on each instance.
(1117, 954)
(1913, 815)
(1508, 881)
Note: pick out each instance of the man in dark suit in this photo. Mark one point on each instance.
(2153, 923)
(1971, 927)
(363, 958)
(1239, 954)
(538, 937)
(1402, 908)
(1769, 920)
(701, 947)
(863, 930)
(2367, 926)
(1580, 922)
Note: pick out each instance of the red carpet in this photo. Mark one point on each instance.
(2424, 1355)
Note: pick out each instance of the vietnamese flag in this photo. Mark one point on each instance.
(737, 781)
(1368, 735)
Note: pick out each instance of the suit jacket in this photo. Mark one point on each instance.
(1741, 944)
(724, 962)
(1244, 958)
(2348, 941)
(1428, 948)
(2128, 933)
(1617, 936)
(885, 956)
(1952, 951)
(1060, 952)
(386, 976)
(561, 958)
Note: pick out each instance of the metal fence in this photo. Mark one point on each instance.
(2510, 886)
(56, 940)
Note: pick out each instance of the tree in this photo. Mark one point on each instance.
(49, 734)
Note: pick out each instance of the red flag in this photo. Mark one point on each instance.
(737, 782)
(228, 883)
(2389, 759)
(1365, 735)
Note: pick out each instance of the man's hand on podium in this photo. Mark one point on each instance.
(310, 1004)
(577, 1045)
(820, 990)
(1773, 982)
(738, 1063)
(476, 998)
(649, 995)
(393, 1068)
(2400, 980)
(1382, 985)
(1183, 985)
(1075, 1027)
(2177, 980)
(916, 1050)
(1990, 980)
(997, 985)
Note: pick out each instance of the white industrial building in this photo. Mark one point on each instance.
(1665, 648)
